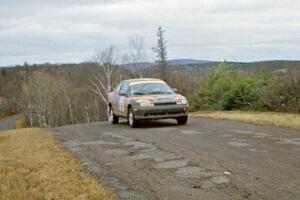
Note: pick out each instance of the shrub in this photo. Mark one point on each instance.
(230, 100)
(283, 93)
(227, 89)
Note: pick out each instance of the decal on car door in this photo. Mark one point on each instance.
(122, 104)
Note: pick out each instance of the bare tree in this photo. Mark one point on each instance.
(109, 72)
(63, 85)
(43, 102)
(137, 54)
(161, 50)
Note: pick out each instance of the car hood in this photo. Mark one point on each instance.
(159, 97)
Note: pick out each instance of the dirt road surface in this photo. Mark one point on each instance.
(206, 159)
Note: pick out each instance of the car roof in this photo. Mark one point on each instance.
(142, 80)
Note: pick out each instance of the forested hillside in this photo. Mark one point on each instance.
(252, 67)
(230, 88)
(54, 95)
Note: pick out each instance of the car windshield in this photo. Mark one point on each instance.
(150, 88)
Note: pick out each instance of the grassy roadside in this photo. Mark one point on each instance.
(33, 165)
(20, 124)
(262, 118)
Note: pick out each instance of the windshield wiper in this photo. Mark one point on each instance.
(159, 92)
(138, 93)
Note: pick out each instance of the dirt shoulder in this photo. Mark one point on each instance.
(262, 118)
(33, 165)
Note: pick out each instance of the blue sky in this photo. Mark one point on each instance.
(64, 31)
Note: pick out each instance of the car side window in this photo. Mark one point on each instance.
(117, 89)
(124, 88)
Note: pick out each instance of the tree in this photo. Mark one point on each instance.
(161, 53)
(3, 72)
(283, 93)
(108, 75)
(137, 54)
(43, 102)
(226, 88)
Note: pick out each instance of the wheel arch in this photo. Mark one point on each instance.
(128, 107)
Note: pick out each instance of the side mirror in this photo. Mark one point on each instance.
(175, 90)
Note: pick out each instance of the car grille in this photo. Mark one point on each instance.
(163, 112)
(164, 103)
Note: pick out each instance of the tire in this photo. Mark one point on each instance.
(111, 116)
(131, 118)
(182, 120)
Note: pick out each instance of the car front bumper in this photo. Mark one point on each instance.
(160, 112)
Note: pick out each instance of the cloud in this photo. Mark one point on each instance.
(70, 30)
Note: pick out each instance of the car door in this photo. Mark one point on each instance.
(115, 99)
(123, 92)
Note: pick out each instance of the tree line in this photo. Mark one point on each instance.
(55, 95)
(52, 95)
(226, 88)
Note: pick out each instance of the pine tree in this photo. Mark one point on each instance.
(3, 72)
(161, 51)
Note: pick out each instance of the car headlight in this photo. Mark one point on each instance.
(182, 101)
(144, 104)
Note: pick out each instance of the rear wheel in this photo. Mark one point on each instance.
(182, 120)
(111, 116)
(131, 118)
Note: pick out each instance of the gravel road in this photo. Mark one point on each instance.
(9, 122)
(206, 159)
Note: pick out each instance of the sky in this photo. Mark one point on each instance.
(68, 31)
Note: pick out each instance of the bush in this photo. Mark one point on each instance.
(230, 100)
(283, 93)
(227, 89)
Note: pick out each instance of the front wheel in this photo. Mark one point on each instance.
(131, 118)
(182, 120)
(112, 118)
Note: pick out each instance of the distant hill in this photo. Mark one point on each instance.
(172, 62)
(133, 66)
(193, 67)
(201, 69)
(175, 62)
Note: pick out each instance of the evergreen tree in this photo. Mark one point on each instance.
(3, 72)
(161, 51)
